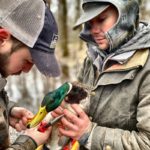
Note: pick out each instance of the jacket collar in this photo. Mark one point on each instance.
(138, 59)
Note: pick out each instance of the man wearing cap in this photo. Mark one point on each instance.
(117, 68)
(28, 35)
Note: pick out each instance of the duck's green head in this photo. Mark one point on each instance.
(50, 102)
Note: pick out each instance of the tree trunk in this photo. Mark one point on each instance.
(62, 17)
(77, 15)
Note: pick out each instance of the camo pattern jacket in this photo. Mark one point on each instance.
(22, 142)
(121, 104)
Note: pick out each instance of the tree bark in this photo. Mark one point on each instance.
(62, 17)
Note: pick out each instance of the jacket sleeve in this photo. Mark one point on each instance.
(11, 104)
(119, 139)
(84, 70)
(81, 72)
(23, 142)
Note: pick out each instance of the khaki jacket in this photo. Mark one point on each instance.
(22, 142)
(121, 104)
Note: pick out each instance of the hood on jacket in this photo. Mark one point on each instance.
(125, 27)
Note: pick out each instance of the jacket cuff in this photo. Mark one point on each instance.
(85, 140)
(89, 140)
(11, 105)
(26, 142)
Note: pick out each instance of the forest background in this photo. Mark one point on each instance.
(29, 89)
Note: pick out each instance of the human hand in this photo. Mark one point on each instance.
(19, 117)
(39, 137)
(76, 125)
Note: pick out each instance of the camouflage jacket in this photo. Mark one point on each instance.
(121, 104)
(22, 142)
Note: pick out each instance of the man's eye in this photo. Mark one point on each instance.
(101, 19)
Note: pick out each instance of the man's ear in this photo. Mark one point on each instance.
(4, 35)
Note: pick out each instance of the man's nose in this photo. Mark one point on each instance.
(95, 28)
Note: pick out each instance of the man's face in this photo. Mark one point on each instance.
(16, 62)
(101, 24)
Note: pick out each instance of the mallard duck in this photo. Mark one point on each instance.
(71, 92)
